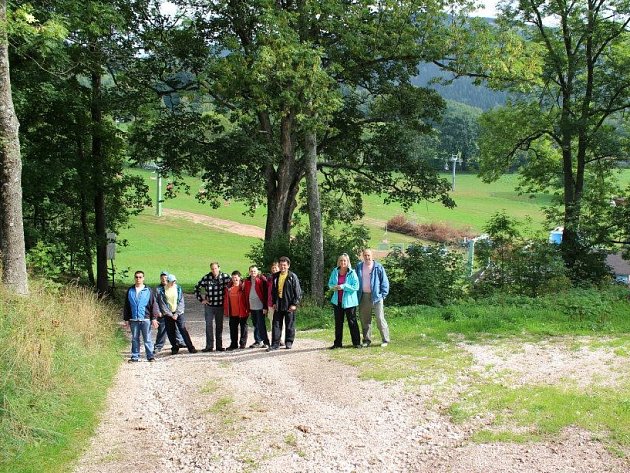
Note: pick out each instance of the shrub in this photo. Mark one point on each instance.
(351, 240)
(438, 232)
(429, 275)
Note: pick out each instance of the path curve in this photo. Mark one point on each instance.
(231, 226)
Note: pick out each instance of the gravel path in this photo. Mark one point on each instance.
(298, 410)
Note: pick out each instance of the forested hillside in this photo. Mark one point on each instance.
(461, 89)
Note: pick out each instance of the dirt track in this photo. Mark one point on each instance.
(299, 410)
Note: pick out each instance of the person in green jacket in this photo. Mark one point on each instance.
(345, 284)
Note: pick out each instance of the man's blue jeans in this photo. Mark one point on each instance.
(141, 327)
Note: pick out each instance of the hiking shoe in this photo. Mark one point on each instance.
(384, 344)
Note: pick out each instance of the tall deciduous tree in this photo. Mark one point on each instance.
(565, 118)
(73, 150)
(267, 65)
(11, 227)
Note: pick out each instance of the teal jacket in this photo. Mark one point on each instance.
(350, 288)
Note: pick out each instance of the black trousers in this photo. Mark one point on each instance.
(349, 313)
(280, 317)
(235, 323)
(179, 324)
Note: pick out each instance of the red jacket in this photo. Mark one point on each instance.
(260, 288)
(241, 308)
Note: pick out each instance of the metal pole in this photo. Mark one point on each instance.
(158, 206)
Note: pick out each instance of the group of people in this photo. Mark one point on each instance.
(276, 295)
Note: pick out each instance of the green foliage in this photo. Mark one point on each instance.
(515, 265)
(429, 275)
(351, 241)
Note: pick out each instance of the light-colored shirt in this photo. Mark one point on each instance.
(171, 297)
(254, 301)
(365, 283)
(282, 277)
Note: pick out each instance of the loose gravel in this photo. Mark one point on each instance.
(299, 410)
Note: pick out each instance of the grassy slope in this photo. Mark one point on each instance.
(186, 249)
(59, 352)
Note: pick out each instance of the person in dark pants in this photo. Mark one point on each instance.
(161, 331)
(170, 300)
(286, 294)
(256, 298)
(345, 284)
(235, 307)
(213, 284)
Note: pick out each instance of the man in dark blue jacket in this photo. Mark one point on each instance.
(140, 314)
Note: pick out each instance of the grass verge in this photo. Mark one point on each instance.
(425, 353)
(59, 352)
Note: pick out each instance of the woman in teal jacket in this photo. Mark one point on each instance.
(345, 285)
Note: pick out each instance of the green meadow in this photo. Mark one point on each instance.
(186, 248)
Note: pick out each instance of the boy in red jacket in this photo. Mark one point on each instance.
(235, 307)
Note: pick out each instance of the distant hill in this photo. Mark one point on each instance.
(461, 89)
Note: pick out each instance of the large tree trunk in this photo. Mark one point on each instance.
(282, 184)
(102, 285)
(12, 229)
(315, 219)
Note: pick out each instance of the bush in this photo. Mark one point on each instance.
(531, 269)
(351, 240)
(428, 275)
(438, 232)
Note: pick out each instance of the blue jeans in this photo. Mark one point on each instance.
(141, 327)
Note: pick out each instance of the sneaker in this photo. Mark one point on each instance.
(256, 345)
(206, 350)
(151, 360)
(334, 347)
(181, 345)
(192, 350)
(272, 347)
(358, 346)
(366, 344)
(288, 346)
(133, 360)
(384, 344)
(174, 351)
(266, 347)
(230, 348)
(157, 350)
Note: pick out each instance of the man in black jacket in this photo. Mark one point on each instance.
(286, 294)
